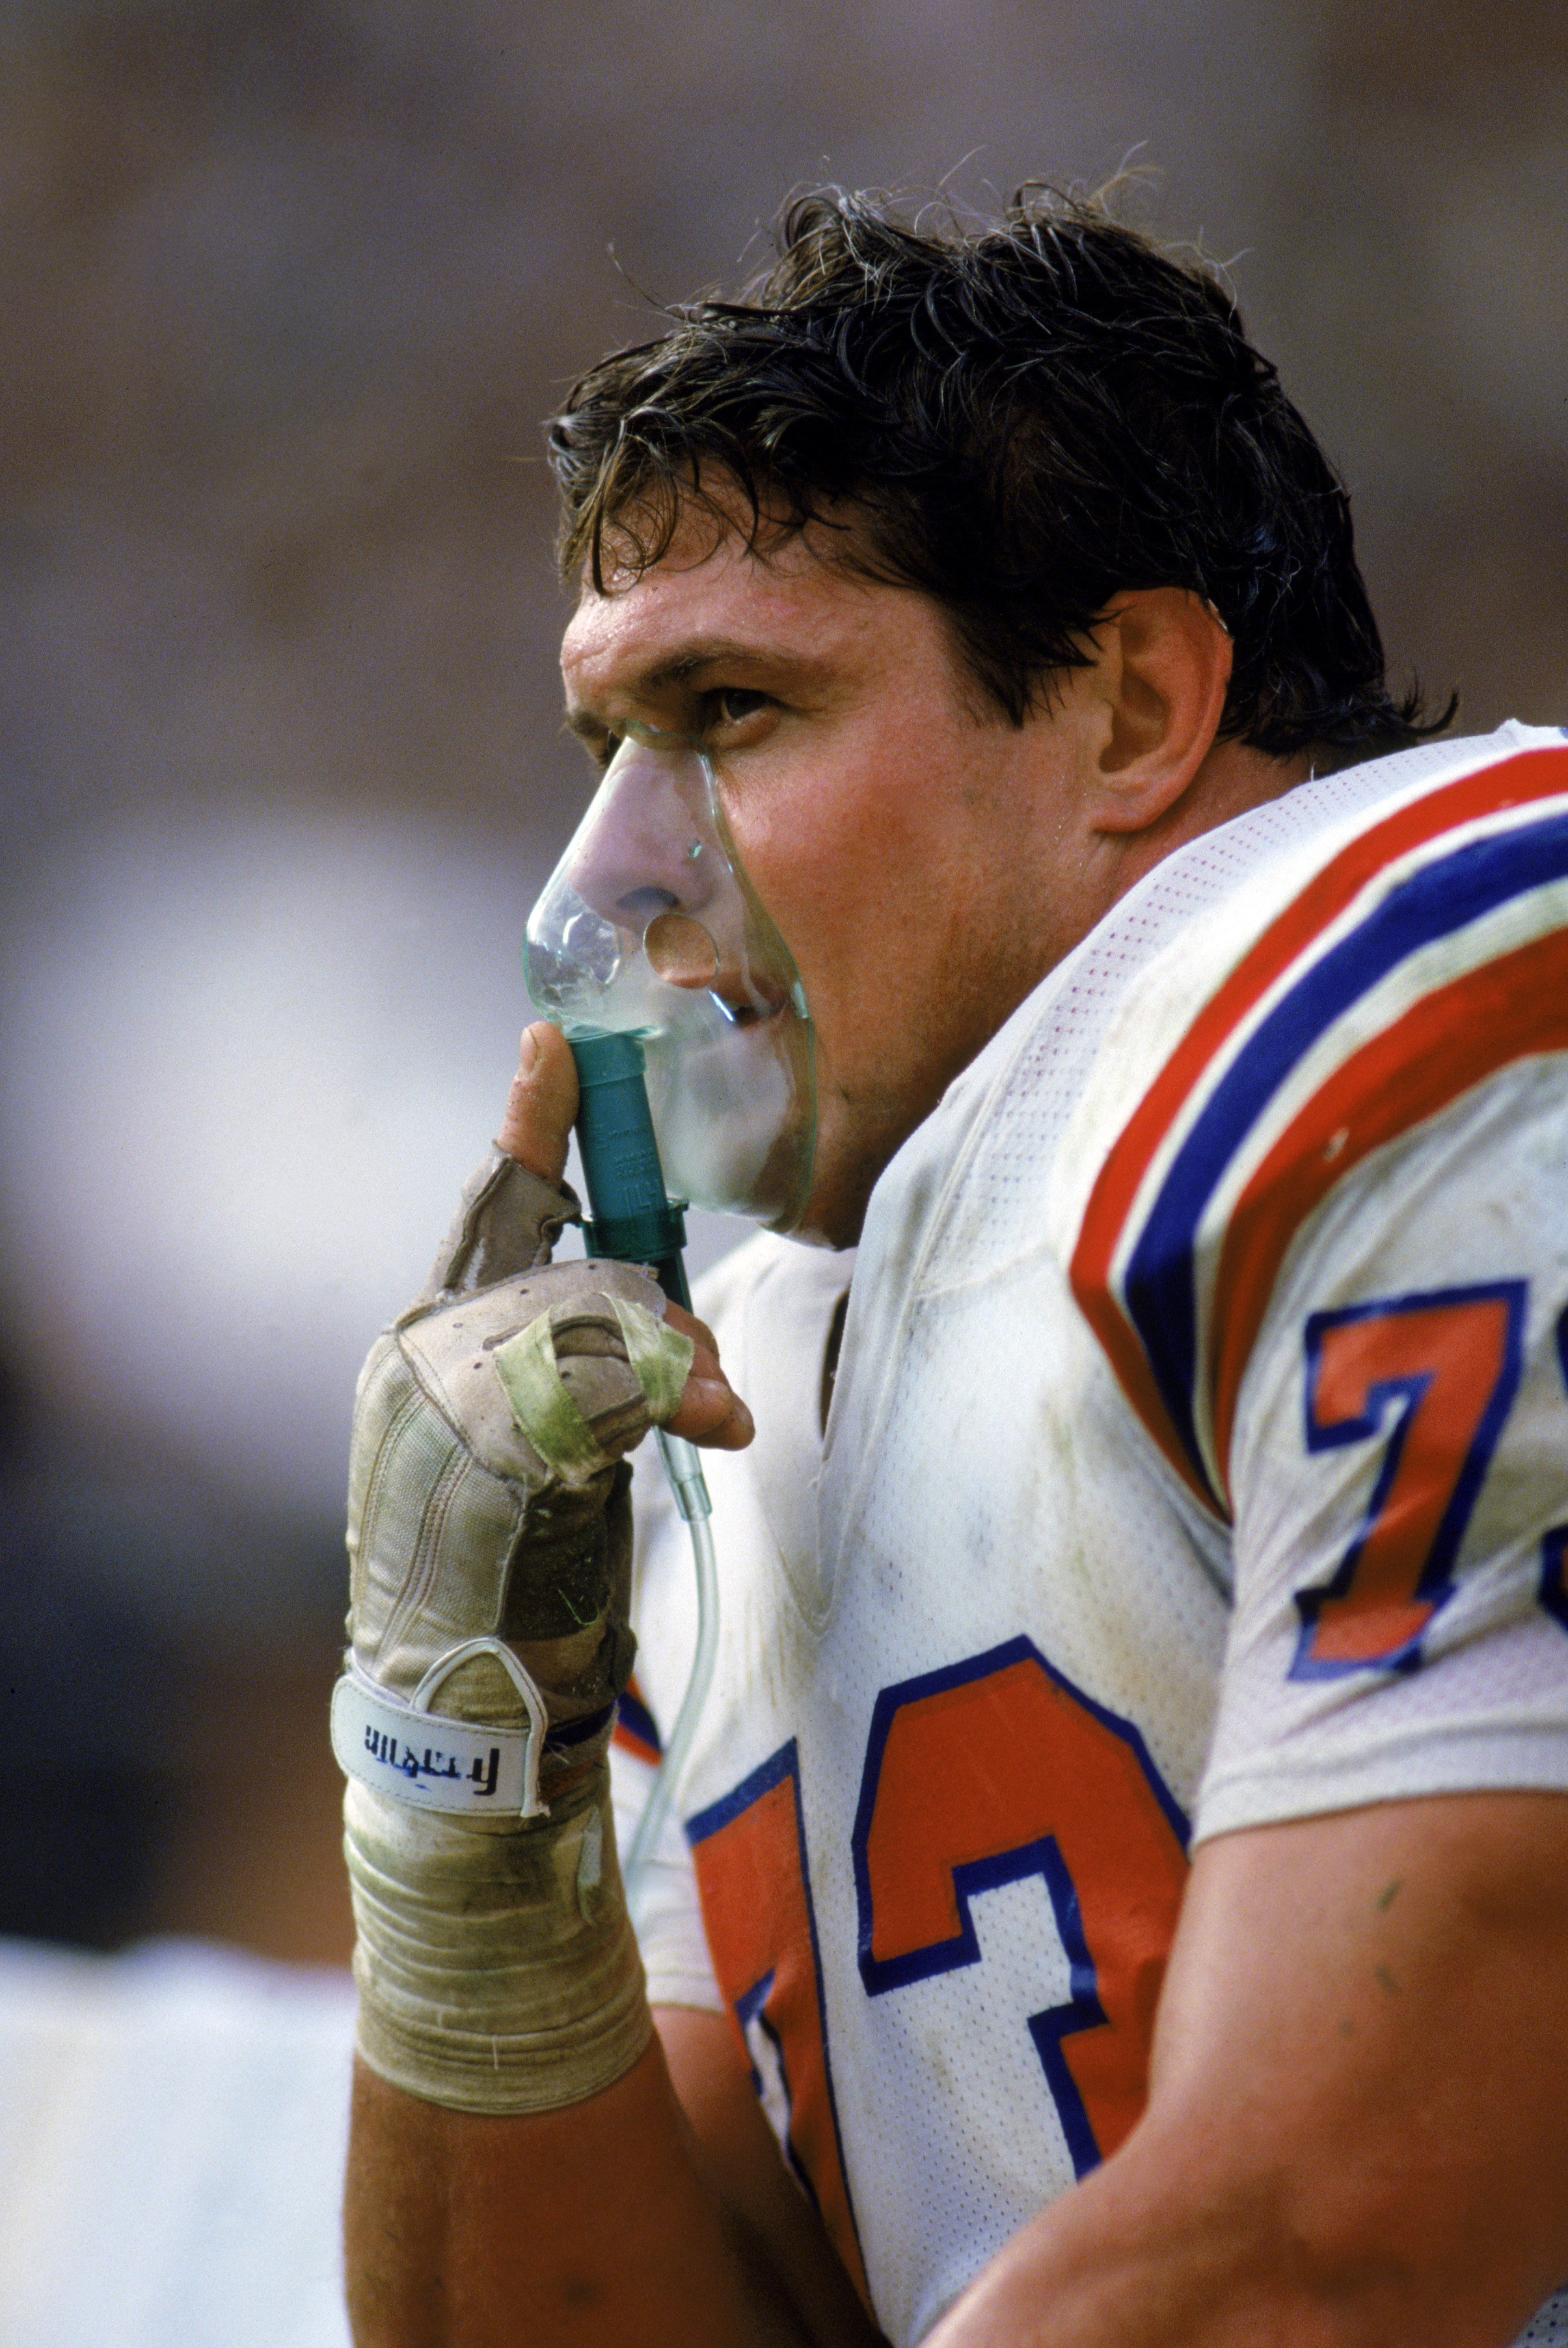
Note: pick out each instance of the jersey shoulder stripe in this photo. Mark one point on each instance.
(1429, 953)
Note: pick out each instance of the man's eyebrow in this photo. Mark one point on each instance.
(703, 650)
(680, 667)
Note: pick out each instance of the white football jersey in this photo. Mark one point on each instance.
(1198, 1458)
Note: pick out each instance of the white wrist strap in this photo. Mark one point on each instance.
(432, 1763)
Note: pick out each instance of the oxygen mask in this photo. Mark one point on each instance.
(649, 928)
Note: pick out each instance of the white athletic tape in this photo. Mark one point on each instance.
(659, 1355)
(497, 1972)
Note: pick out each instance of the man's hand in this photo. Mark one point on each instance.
(489, 1534)
(540, 1111)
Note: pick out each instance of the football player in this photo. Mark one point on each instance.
(1118, 1888)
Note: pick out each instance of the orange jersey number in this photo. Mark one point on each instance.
(750, 1852)
(1435, 1377)
(995, 1769)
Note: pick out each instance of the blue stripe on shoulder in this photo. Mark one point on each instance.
(1440, 897)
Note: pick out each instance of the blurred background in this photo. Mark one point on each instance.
(288, 286)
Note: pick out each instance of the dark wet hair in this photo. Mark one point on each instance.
(1026, 420)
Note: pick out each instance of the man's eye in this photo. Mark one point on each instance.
(729, 704)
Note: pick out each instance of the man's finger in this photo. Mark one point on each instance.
(689, 1324)
(712, 1413)
(710, 1407)
(542, 1104)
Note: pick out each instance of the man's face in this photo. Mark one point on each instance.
(918, 854)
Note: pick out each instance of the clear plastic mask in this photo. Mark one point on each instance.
(649, 926)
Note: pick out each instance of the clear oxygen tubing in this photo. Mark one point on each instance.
(632, 1218)
(684, 1470)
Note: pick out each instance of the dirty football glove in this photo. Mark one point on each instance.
(489, 1541)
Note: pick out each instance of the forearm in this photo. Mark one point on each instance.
(1147, 2253)
(519, 2165)
(586, 2225)
(1174, 2252)
(521, 2168)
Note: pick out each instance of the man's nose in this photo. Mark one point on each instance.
(643, 857)
(636, 907)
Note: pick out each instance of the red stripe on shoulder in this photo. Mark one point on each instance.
(1514, 1008)
(1533, 775)
(1522, 781)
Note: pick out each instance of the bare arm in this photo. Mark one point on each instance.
(1357, 2130)
(599, 2223)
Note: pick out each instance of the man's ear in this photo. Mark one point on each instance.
(1161, 678)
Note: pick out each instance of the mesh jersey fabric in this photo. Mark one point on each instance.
(987, 1653)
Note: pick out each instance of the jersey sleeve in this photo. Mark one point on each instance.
(1398, 1477)
(1326, 1258)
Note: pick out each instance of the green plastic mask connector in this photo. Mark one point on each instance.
(649, 929)
(631, 1219)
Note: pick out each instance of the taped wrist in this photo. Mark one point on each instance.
(497, 1970)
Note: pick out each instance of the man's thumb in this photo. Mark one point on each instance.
(541, 1103)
